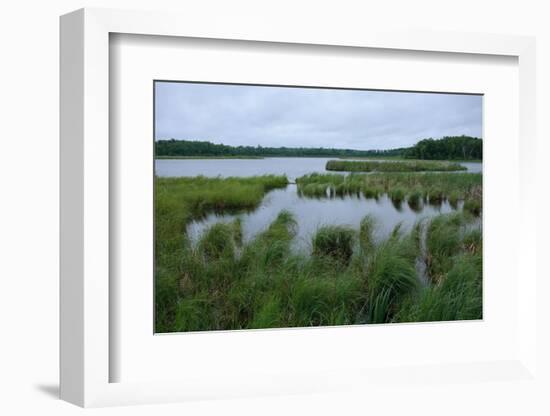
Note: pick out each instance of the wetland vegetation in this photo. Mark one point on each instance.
(352, 276)
(392, 166)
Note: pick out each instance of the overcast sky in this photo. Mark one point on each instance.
(309, 117)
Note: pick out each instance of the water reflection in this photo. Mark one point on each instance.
(311, 213)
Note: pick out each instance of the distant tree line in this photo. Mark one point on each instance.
(202, 148)
(447, 148)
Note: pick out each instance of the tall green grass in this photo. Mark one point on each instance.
(390, 279)
(179, 201)
(414, 199)
(392, 166)
(351, 277)
(454, 260)
(444, 240)
(367, 230)
(334, 241)
(433, 188)
(457, 297)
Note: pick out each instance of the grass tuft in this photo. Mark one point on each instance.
(473, 206)
(366, 234)
(334, 241)
(218, 241)
(391, 277)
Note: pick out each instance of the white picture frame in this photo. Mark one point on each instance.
(85, 351)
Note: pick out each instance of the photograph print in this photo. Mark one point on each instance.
(287, 206)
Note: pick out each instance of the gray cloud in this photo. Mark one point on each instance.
(309, 117)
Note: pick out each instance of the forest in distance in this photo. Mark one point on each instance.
(446, 148)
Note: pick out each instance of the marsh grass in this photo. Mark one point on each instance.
(397, 195)
(443, 242)
(334, 241)
(179, 201)
(454, 257)
(414, 200)
(391, 277)
(453, 199)
(218, 241)
(314, 190)
(458, 297)
(473, 206)
(367, 234)
(352, 277)
(392, 166)
(430, 188)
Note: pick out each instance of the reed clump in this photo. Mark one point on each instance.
(334, 241)
(414, 200)
(367, 234)
(457, 297)
(432, 188)
(391, 277)
(473, 206)
(218, 241)
(392, 166)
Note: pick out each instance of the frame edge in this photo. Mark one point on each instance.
(71, 201)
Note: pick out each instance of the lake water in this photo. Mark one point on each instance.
(293, 167)
(310, 213)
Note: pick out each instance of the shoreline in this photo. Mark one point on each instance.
(388, 158)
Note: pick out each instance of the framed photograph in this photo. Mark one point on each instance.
(320, 208)
(274, 212)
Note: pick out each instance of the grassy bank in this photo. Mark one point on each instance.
(181, 200)
(222, 283)
(391, 166)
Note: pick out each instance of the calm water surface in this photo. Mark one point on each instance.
(311, 213)
(293, 167)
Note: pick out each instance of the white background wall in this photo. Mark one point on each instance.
(29, 114)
